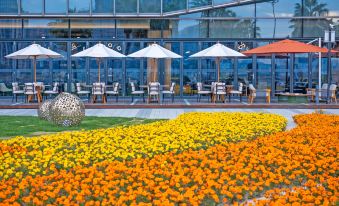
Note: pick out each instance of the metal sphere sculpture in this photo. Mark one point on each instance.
(67, 110)
(43, 111)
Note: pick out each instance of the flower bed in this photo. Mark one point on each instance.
(298, 166)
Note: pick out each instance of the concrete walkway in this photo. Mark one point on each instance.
(169, 113)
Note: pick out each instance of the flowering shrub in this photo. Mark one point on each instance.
(194, 130)
(298, 166)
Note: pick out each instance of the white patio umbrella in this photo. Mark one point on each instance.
(217, 51)
(154, 52)
(34, 52)
(99, 51)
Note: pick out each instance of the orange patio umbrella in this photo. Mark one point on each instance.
(285, 47)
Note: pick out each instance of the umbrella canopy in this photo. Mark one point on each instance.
(155, 51)
(34, 52)
(218, 51)
(99, 51)
(286, 46)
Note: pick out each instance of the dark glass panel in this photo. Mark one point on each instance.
(335, 71)
(45, 28)
(78, 65)
(56, 7)
(245, 71)
(138, 28)
(150, 6)
(174, 5)
(79, 6)
(264, 71)
(281, 8)
(10, 29)
(5, 49)
(132, 65)
(235, 28)
(114, 70)
(278, 28)
(126, 6)
(31, 6)
(216, 2)
(237, 11)
(7, 78)
(188, 28)
(9, 6)
(88, 28)
(316, 27)
(59, 66)
(300, 73)
(282, 73)
(199, 3)
(190, 76)
(102, 6)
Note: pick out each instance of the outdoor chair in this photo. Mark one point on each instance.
(323, 91)
(311, 93)
(16, 91)
(98, 89)
(201, 92)
(4, 89)
(333, 93)
(135, 92)
(54, 91)
(154, 91)
(219, 91)
(30, 92)
(171, 92)
(238, 92)
(115, 91)
(81, 92)
(268, 95)
(252, 95)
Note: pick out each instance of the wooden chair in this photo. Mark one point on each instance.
(268, 95)
(311, 93)
(333, 93)
(219, 91)
(98, 89)
(30, 92)
(154, 91)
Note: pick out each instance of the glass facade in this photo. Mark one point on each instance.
(183, 26)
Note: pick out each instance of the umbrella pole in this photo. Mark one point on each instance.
(218, 68)
(154, 70)
(99, 62)
(34, 68)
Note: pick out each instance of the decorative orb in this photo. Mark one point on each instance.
(43, 111)
(67, 110)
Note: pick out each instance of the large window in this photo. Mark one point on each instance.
(278, 28)
(300, 73)
(188, 28)
(59, 66)
(198, 3)
(236, 11)
(45, 28)
(9, 6)
(174, 5)
(102, 6)
(231, 28)
(191, 71)
(31, 6)
(315, 27)
(172, 67)
(282, 73)
(115, 69)
(5, 49)
(132, 65)
(126, 6)
(10, 29)
(55, 6)
(79, 6)
(150, 6)
(103, 28)
(79, 72)
(281, 8)
(133, 28)
(264, 71)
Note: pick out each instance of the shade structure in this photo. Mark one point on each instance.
(154, 52)
(34, 52)
(99, 51)
(286, 46)
(218, 51)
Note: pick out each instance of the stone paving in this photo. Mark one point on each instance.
(170, 113)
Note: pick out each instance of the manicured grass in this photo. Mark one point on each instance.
(31, 126)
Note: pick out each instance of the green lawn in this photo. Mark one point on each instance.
(31, 126)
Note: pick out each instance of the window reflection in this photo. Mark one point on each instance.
(281, 8)
(10, 29)
(236, 11)
(300, 73)
(103, 28)
(282, 73)
(55, 7)
(133, 28)
(199, 3)
(102, 6)
(31, 6)
(45, 28)
(9, 6)
(174, 5)
(132, 65)
(78, 65)
(150, 6)
(188, 28)
(172, 67)
(5, 49)
(79, 6)
(235, 28)
(190, 76)
(278, 28)
(59, 66)
(264, 72)
(126, 6)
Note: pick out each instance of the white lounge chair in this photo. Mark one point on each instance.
(114, 92)
(98, 89)
(202, 92)
(171, 92)
(154, 91)
(81, 92)
(238, 92)
(135, 92)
